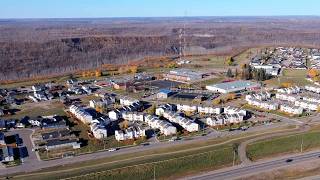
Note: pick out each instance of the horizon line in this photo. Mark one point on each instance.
(137, 17)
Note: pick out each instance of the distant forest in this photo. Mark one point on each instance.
(31, 48)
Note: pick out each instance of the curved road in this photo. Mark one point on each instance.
(254, 168)
(242, 147)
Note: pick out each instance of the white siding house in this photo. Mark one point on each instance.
(81, 114)
(165, 127)
(296, 110)
(209, 110)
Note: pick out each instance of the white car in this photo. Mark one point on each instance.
(112, 149)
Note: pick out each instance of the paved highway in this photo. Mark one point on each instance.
(254, 168)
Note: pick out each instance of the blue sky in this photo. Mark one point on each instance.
(154, 8)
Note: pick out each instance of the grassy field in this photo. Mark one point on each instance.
(293, 76)
(167, 165)
(171, 167)
(300, 81)
(244, 57)
(295, 72)
(33, 110)
(209, 61)
(283, 145)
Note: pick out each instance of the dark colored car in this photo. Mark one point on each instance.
(289, 160)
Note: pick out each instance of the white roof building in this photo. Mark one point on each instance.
(290, 90)
(224, 119)
(307, 105)
(165, 107)
(215, 121)
(165, 127)
(233, 86)
(268, 105)
(234, 110)
(130, 133)
(187, 124)
(210, 110)
(133, 116)
(287, 97)
(81, 114)
(103, 103)
(186, 108)
(296, 110)
(115, 114)
(311, 99)
(315, 89)
(127, 101)
(269, 69)
(99, 131)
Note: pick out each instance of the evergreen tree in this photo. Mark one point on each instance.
(229, 73)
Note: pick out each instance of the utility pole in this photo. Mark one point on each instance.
(234, 157)
(301, 146)
(154, 172)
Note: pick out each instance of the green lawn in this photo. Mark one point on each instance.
(295, 72)
(283, 145)
(300, 81)
(244, 56)
(167, 165)
(171, 167)
(293, 76)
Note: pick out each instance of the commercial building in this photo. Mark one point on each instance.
(58, 144)
(233, 86)
(183, 75)
(164, 94)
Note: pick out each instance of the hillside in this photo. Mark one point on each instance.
(30, 48)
